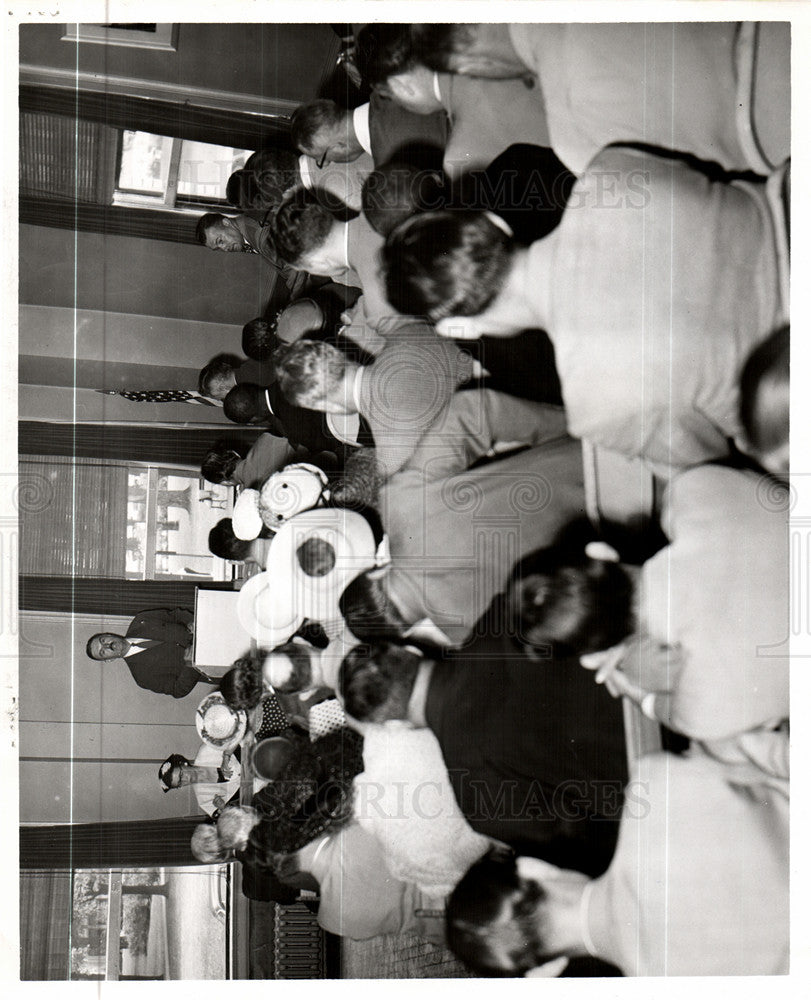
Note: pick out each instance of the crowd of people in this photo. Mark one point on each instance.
(521, 497)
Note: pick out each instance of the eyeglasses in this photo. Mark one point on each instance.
(320, 163)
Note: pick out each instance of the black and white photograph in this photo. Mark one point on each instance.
(402, 556)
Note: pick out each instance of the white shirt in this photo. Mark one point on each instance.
(360, 123)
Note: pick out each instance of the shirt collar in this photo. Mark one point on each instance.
(305, 171)
(356, 388)
(437, 91)
(360, 122)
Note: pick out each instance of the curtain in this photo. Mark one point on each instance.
(67, 159)
(101, 597)
(185, 121)
(46, 902)
(129, 443)
(73, 517)
(135, 844)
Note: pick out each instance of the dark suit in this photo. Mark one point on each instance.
(162, 668)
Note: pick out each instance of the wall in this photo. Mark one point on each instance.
(273, 67)
(72, 707)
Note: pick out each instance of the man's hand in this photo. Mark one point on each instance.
(190, 627)
(219, 802)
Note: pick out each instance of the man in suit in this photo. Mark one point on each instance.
(157, 650)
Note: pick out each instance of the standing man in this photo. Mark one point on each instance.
(157, 650)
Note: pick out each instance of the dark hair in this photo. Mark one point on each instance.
(300, 225)
(220, 366)
(220, 462)
(167, 767)
(369, 612)
(492, 920)
(245, 404)
(764, 401)
(358, 485)
(445, 263)
(204, 223)
(224, 544)
(275, 171)
(376, 681)
(301, 658)
(308, 120)
(565, 603)
(435, 45)
(242, 686)
(308, 371)
(383, 50)
(259, 339)
(403, 187)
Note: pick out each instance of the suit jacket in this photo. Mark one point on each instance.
(162, 668)
(391, 127)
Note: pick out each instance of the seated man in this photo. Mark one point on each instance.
(634, 292)
(698, 886)
(310, 237)
(157, 650)
(215, 776)
(328, 133)
(484, 116)
(225, 371)
(268, 454)
(399, 395)
(672, 86)
(535, 754)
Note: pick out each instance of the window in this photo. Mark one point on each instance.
(169, 516)
(135, 923)
(157, 171)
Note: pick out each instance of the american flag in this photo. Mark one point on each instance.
(162, 396)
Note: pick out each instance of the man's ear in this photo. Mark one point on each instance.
(227, 222)
(378, 572)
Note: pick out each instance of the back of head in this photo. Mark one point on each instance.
(220, 462)
(259, 339)
(206, 845)
(273, 173)
(369, 612)
(223, 543)
(301, 226)
(245, 404)
(309, 371)
(435, 45)
(765, 401)
(446, 263)
(402, 187)
(492, 920)
(358, 485)
(383, 50)
(563, 602)
(308, 120)
(241, 191)
(234, 825)
(221, 366)
(376, 681)
(242, 685)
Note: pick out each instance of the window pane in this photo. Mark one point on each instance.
(144, 163)
(186, 513)
(205, 168)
